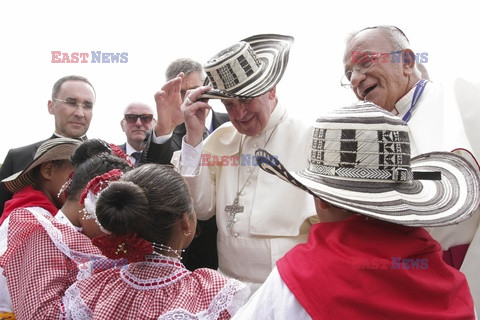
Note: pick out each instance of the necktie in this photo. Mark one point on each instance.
(136, 156)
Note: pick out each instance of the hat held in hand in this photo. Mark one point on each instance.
(360, 161)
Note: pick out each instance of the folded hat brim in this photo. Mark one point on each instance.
(273, 50)
(20, 180)
(450, 200)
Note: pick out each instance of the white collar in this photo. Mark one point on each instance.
(403, 105)
(129, 149)
(62, 218)
(208, 120)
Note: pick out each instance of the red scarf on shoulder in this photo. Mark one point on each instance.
(366, 269)
(25, 198)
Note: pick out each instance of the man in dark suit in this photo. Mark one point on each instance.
(71, 105)
(137, 120)
(170, 129)
(167, 138)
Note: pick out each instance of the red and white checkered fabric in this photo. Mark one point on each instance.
(43, 258)
(159, 288)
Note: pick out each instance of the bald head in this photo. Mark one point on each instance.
(391, 76)
(136, 123)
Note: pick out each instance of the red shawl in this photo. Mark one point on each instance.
(25, 198)
(369, 269)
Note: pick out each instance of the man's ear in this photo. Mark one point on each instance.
(408, 62)
(50, 107)
(122, 122)
(46, 170)
(272, 93)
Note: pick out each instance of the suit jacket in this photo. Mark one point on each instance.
(202, 252)
(16, 160)
(123, 147)
(162, 153)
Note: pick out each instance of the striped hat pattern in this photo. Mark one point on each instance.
(360, 161)
(52, 149)
(249, 68)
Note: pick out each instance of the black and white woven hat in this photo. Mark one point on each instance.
(360, 161)
(248, 68)
(52, 149)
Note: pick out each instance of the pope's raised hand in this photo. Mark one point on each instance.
(194, 113)
(169, 101)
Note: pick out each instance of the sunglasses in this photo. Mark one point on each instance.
(132, 118)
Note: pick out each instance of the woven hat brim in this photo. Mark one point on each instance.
(20, 180)
(423, 203)
(274, 51)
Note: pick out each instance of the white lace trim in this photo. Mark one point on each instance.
(4, 236)
(75, 308)
(81, 259)
(232, 296)
(155, 283)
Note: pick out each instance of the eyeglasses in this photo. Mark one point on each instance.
(364, 64)
(132, 118)
(74, 103)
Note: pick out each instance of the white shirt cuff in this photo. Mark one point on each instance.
(190, 158)
(161, 139)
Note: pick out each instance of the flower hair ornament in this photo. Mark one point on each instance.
(130, 247)
(119, 153)
(90, 194)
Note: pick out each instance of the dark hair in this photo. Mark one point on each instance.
(58, 85)
(88, 149)
(92, 167)
(184, 65)
(148, 201)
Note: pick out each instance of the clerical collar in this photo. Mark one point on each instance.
(404, 104)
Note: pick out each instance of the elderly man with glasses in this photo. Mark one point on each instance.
(71, 105)
(137, 121)
(380, 67)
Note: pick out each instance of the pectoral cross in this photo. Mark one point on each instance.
(232, 210)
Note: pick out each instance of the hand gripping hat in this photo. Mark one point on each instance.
(360, 161)
(52, 149)
(249, 68)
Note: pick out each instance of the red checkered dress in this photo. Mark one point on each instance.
(159, 288)
(43, 258)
